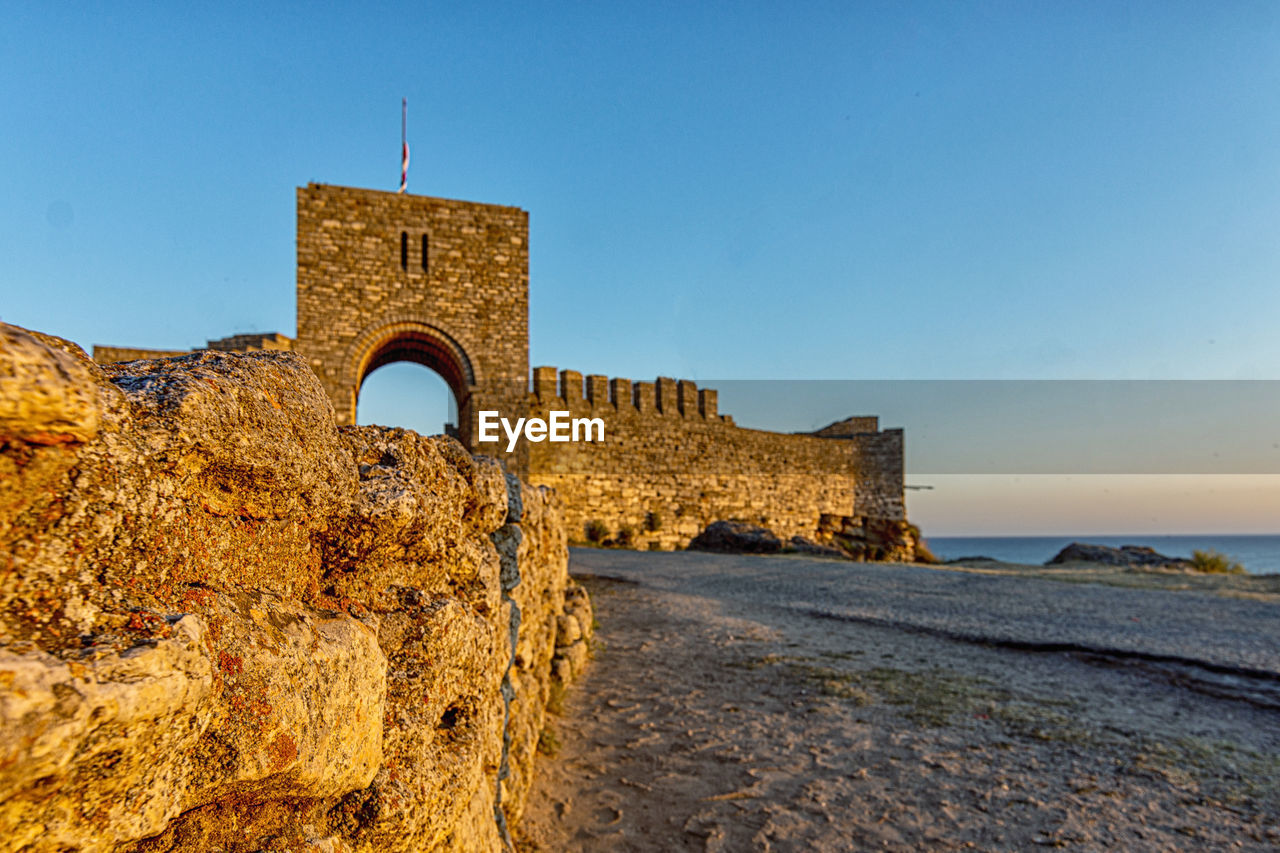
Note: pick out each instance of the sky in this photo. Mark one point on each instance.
(717, 191)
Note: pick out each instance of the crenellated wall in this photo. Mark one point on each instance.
(254, 342)
(114, 355)
(228, 624)
(670, 463)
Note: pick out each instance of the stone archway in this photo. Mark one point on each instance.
(418, 342)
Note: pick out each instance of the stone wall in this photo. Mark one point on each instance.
(115, 355)
(228, 624)
(253, 342)
(670, 464)
(878, 475)
(385, 277)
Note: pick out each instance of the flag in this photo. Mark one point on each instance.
(404, 143)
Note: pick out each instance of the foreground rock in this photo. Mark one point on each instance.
(1125, 555)
(225, 623)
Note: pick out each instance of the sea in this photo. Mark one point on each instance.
(1259, 554)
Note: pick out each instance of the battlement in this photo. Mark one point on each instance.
(670, 463)
(664, 396)
(253, 342)
(849, 427)
(114, 355)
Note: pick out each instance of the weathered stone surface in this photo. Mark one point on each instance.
(567, 630)
(576, 654)
(578, 605)
(47, 394)
(92, 748)
(539, 598)
(736, 537)
(227, 625)
(418, 519)
(303, 693)
(444, 715)
(247, 433)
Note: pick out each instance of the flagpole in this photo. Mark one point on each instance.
(404, 143)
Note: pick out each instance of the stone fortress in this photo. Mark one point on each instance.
(385, 277)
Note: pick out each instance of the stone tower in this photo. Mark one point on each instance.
(385, 277)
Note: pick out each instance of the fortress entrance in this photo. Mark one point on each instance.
(385, 278)
(418, 381)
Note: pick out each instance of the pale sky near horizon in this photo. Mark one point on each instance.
(717, 190)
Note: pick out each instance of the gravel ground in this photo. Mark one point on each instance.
(778, 703)
(1234, 634)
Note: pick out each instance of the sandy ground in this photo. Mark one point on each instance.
(718, 715)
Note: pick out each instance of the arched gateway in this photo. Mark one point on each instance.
(415, 341)
(385, 277)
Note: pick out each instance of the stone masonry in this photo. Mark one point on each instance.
(670, 464)
(385, 277)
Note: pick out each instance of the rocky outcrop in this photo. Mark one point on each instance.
(227, 624)
(870, 538)
(1125, 555)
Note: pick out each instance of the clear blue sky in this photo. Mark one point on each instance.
(717, 190)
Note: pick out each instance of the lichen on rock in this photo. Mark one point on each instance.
(225, 623)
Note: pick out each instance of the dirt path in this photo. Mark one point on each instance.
(715, 722)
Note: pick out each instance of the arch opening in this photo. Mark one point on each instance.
(409, 395)
(404, 394)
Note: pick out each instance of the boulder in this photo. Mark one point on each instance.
(1125, 555)
(736, 537)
